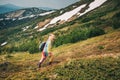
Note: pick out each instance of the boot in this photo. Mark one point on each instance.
(49, 63)
(39, 65)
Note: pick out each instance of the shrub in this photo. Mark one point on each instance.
(95, 32)
(33, 48)
(8, 56)
(90, 69)
(78, 34)
(115, 21)
(100, 47)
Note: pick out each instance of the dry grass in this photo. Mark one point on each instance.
(106, 44)
(24, 65)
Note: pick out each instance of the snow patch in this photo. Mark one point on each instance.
(61, 12)
(36, 27)
(68, 15)
(3, 44)
(22, 18)
(25, 28)
(73, 6)
(43, 28)
(64, 17)
(31, 16)
(46, 13)
(13, 19)
(1, 19)
(93, 5)
(7, 18)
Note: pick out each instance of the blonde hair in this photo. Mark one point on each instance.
(51, 35)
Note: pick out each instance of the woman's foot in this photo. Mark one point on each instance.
(49, 63)
(39, 65)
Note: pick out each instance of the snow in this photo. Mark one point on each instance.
(1, 19)
(13, 19)
(68, 15)
(7, 18)
(46, 13)
(93, 5)
(43, 28)
(22, 18)
(4, 43)
(74, 6)
(31, 16)
(61, 12)
(25, 28)
(36, 27)
(64, 17)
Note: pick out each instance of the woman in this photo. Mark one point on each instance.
(47, 50)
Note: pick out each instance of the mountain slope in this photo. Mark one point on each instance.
(95, 58)
(8, 7)
(86, 47)
(19, 16)
(99, 21)
(23, 12)
(79, 11)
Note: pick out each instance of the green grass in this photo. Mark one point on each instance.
(90, 69)
(105, 17)
(97, 58)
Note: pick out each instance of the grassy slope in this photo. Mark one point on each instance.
(97, 58)
(103, 17)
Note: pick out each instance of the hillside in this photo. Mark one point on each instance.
(23, 13)
(96, 58)
(75, 13)
(99, 21)
(87, 44)
(21, 16)
(8, 7)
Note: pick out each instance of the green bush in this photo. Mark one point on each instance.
(101, 47)
(95, 32)
(30, 46)
(78, 34)
(8, 56)
(90, 69)
(33, 48)
(116, 21)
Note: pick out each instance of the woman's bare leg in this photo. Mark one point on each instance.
(42, 59)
